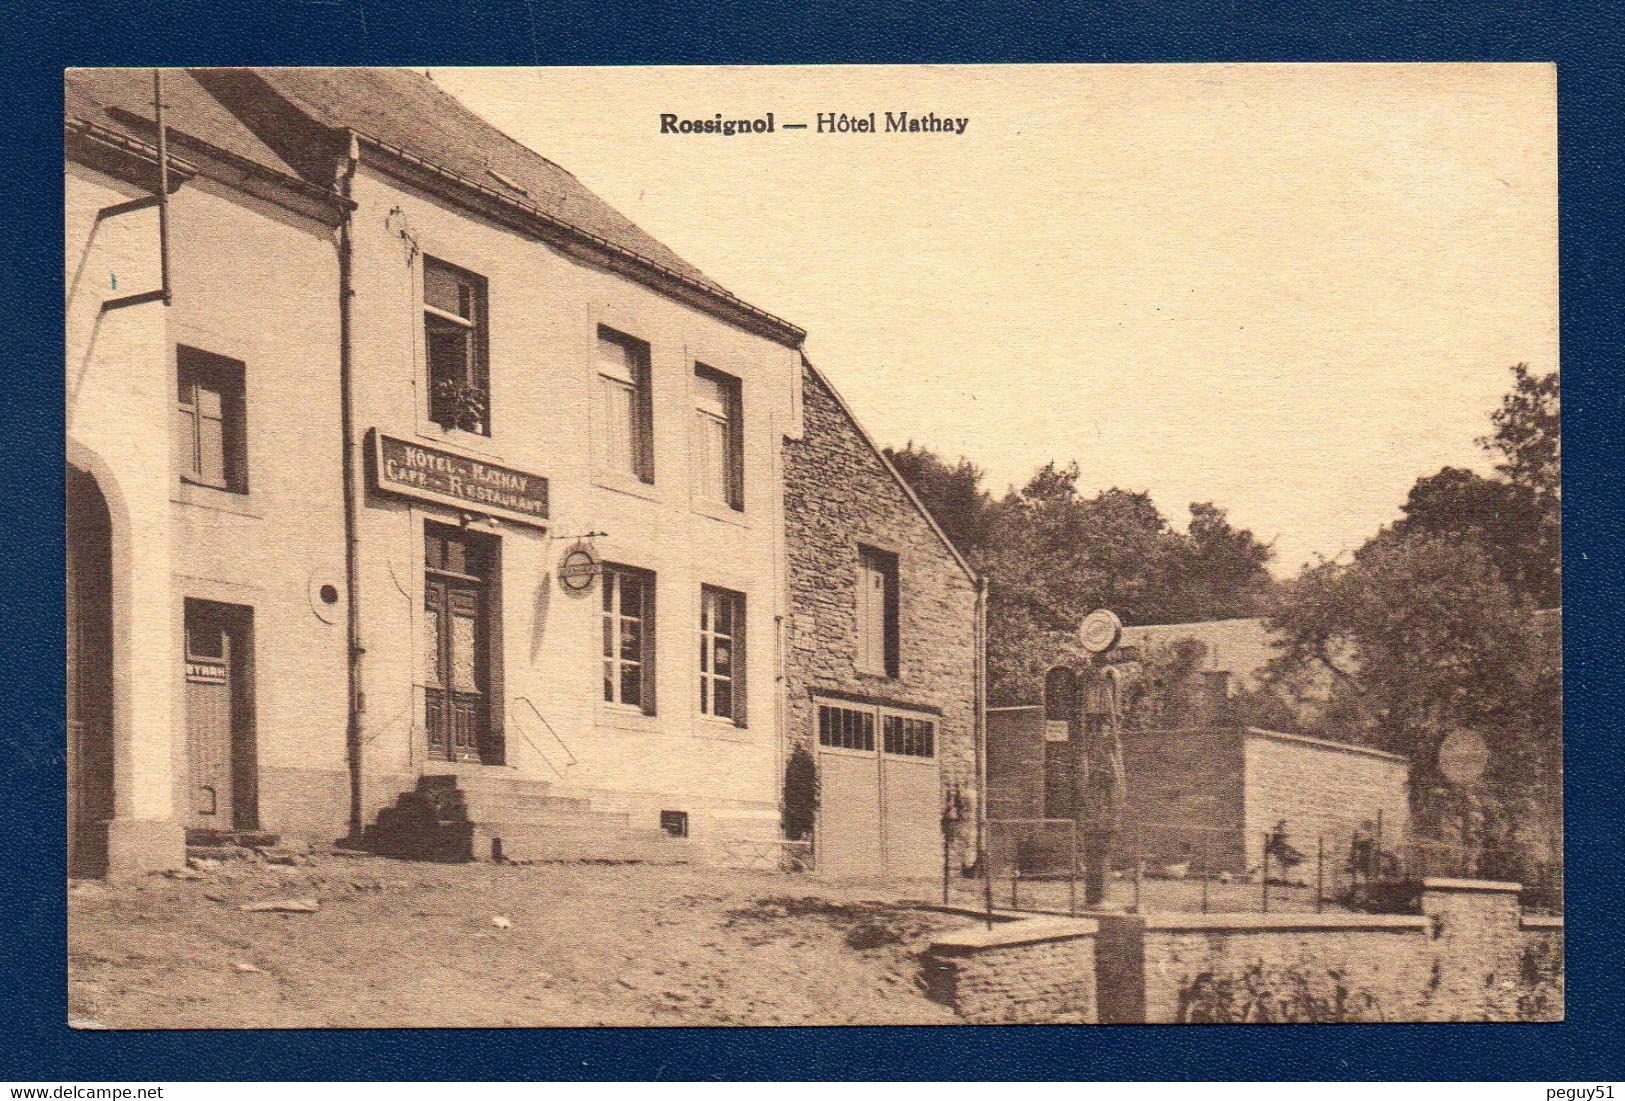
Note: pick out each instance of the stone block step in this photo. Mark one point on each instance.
(517, 806)
(525, 841)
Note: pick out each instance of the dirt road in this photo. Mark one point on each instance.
(399, 944)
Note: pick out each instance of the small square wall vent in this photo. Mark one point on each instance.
(674, 822)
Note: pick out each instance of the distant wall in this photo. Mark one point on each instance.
(1322, 789)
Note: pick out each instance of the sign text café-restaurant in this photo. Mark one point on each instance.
(417, 496)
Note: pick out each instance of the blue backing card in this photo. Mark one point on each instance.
(36, 1045)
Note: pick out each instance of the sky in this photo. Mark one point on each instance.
(1287, 289)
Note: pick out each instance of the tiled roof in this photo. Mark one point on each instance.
(400, 108)
(110, 97)
(406, 109)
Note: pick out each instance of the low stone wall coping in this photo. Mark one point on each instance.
(1433, 883)
(1271, 923)
(1541, 921)
(963, 942)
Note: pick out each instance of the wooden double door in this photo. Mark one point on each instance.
(460, 674)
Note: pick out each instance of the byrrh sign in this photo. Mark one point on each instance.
(431, 474)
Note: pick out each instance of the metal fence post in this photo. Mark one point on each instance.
(1264, 873)
(1072, 876)
(1320, 872)
(945, 848)
(987, 870)
(1206, 869)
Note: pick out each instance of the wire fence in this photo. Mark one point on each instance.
(1056, 865)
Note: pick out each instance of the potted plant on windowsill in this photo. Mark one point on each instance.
(457, 403)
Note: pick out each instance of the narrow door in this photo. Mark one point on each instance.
(212, 645)
(456, 616)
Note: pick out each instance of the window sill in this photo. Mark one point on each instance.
(472, 442)
(725, 730)
(629, 484)
(621, 717)
(718, 511)
(216, 499)
(877, 674)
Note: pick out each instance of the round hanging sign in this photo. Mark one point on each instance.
(577, 568)
(1100, 631)
(1462, 757)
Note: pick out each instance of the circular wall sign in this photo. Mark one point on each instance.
(577, 568)
(1100, 631)
(1462, 756)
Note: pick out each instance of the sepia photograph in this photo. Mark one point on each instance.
(783, 545)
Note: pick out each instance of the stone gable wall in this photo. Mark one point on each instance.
(840, 495)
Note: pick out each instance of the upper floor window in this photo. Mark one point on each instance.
(624, 431)
(210, 432)
(455, 341)
(719, 466)
(629, 637)
(722, 654)
(877, 650)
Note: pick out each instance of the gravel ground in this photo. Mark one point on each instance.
(403, 944)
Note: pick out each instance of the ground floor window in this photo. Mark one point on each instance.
(722, 654)
(459, 655)
(629, 637)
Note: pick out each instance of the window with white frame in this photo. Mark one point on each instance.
(209, 428)
(623, 432)
(846, 727)
(906, 736)
(455, 339)
(852, 726)
(718, 438)
(722, 654)
(629, 637)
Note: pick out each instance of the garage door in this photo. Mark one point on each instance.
(880, 793)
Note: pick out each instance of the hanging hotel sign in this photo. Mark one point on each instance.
(578, 568)
(430, 474)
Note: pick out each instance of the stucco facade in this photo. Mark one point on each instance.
(312, 605)
(258, 220)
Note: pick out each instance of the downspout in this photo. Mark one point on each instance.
(163, 181)
(981, 718)
(352, 521)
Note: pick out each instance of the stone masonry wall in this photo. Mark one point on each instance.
(1467, 957)
(1025, 972)
(838, 495)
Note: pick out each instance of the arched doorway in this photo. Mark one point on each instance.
(90, 674)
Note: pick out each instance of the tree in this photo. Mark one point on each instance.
(1506, 519)
(1053, 554)
(952, 493)
(1420, 635)
(1529, 432)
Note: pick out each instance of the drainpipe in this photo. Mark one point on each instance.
(981, 718)
(163, 181)
(352, 492)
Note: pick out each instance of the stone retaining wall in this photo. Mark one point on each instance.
(1469, 955)
(1036, 971)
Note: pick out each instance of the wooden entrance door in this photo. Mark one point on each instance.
(90, 675)
(220, 791)
(457, 667)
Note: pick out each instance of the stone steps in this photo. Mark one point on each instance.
(479, 817)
